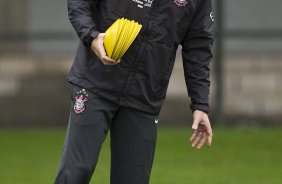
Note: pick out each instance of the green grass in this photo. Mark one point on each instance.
(236, 157)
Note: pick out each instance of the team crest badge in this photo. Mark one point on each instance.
(180, 3)
(80, 100)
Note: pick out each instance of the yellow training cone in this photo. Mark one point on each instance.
(120, 36)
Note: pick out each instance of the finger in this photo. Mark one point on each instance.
(195, 124)
(209, 133)
(108, 59)
(193, 136)
(106, 62)
(111, 60)
(209, 139)
(202, 141)
(195, 142)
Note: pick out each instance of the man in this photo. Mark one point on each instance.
(126, 96)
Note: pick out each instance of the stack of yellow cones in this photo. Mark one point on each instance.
(120, 36)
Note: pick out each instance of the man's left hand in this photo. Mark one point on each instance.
(202, 131)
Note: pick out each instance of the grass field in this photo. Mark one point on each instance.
(250, 156)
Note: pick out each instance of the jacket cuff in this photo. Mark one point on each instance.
(202, 107)
(90, 38)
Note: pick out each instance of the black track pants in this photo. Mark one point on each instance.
(133, 138)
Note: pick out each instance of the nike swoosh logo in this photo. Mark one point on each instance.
(156, 121)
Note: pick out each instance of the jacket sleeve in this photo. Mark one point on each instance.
(197, 54)
(80, 14)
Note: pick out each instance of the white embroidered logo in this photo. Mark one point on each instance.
(180, 3)
(156, 121)
(143, 3)
(212, 16)
(80, 100)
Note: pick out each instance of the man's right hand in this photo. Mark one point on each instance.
(97, 47)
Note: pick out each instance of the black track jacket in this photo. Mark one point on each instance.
(141, 79)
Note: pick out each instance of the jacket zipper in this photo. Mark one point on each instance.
(151, 13)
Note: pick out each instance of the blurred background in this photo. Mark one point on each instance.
(37, 47)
